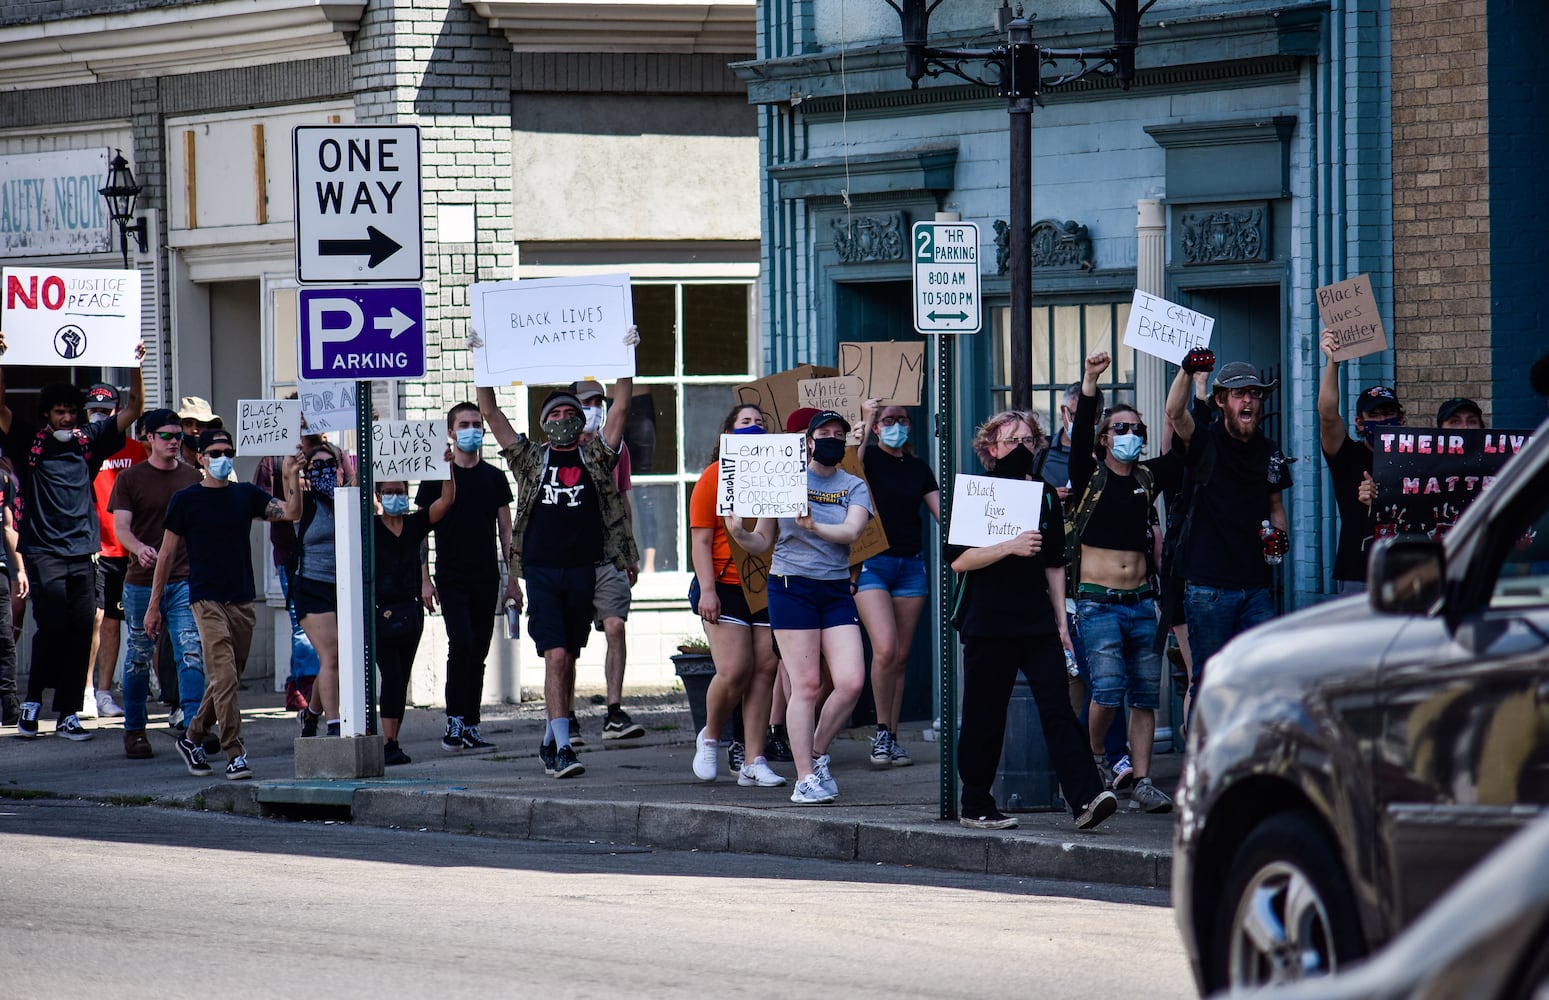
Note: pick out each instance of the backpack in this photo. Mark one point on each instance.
(1078, 511)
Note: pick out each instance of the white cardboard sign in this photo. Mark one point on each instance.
(68, 316)
(268, 426)
(987, 511)
(327, 406)
(1165, 329)
(762, 475)
(548, 331)
(409, 450)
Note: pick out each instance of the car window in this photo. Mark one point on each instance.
(1524, 576)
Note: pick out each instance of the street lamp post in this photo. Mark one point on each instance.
(120, 194)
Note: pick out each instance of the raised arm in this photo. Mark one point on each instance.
(1331, 425)
(1178, 397)
(443, 503)
(135, 404)
(499, 425)
(288, 509)
(623, 392)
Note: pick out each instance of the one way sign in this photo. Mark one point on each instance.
(358, 214)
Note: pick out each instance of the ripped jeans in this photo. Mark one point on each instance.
(178, 622)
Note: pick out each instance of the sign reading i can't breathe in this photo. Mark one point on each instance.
(1165, 329)
(358, 214)
(70, 316)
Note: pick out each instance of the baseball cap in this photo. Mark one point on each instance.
(798, 420)
(194, 408)
(559, 397)
(587, 389)
(1377, 395)
(1241, 375)
(214, 436)
(102, 396)
(1455, 404)
(155, 420)
(827, 417)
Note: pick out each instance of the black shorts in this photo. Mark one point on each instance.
(110, 585)
(313, 597)
(734, 605)
(559, 606)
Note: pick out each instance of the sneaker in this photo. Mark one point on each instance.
(473, 741)
(393, 755)
(900, 756)
(706, 767)
(333, 730)
(1104, 772)
(1096, 811)
(736, 755)
(547, 754)
(238, 770)
(566, 764)
(575, 733)
(777, 747)
(175, 721)
(136, 746)
(193, 758)
(619, 726)
(825, 776)
(71, 729)
(1123, 775)
(759, 773)
(308, 723)
(27, 725)
(452, 742)
(295, 701)
(882, 748)
(809, 792)
(990, 819)
(1147, 796)
(106, 709)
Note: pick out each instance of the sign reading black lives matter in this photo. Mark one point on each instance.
(409, 450)
(762, 475)
(1427, 478)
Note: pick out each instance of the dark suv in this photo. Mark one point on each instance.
(1349, 762)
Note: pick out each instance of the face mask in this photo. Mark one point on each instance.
(564, 433)
(1017, 465)
(749, 429)
(894, 436)
(828, 451)
(469, 439)
(1370, 428)
(1126, 447)
(323, 479)
(97, 416)
(395, 503)
(63, 434)
(593, 419)
(220, 468)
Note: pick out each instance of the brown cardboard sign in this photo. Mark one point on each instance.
(1348, 309)
(893, 371)
(873, 541)
(775, 395)
(841, 393)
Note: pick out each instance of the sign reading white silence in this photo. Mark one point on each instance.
(268, 426)
(762, 475)
(70, 316)
(1165, 329)
(546, 331)
(987, 511)
(409, 450)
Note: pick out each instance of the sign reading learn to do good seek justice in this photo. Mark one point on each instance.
(409, 450)
(946, 277)
(1165, 329)
(70, 316)
(988, 511)
(1348, 309)
(762, 475)
(358, 213)
(546, 331)
(268, 426)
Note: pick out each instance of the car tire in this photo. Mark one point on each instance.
(1286, 911)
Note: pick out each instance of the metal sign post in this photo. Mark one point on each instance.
(946, 653)
(363, 424)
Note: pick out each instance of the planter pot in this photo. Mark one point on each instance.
(696, 669)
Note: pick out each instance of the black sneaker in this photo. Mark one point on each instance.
(989, 819)
(566, 764)
(333, 730)
(473, 741)
(1096, 811)
(193, 758)
(308, 722)
(575, 733)
(547, 754)
(71, 729)
(737, 755)
(392, 754)
(238, 770)
(777, 747)
(618, 726)
(452, 742)
(27, 725)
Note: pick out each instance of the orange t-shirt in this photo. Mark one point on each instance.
(701, 514)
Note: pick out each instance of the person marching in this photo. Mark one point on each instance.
(314, 592)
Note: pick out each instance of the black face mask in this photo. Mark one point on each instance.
(1017, 465)
(828, 451)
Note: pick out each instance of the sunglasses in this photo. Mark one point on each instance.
(1018, 440)
(167, 435)
(219, 453)
(1127, 427)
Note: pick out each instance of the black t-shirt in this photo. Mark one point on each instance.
(565, 527)
(1231, 506)
(56, 482)
(397, 558)
(213, 522)
(466, 547)
(1119, 520)
(1010, 597)
(7, 502)
(898, 487)
(1346, 467)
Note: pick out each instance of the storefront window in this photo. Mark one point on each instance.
(1063, 335)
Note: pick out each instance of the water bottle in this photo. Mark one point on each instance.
(1070, 664)
(1267, 539)
(513, 619)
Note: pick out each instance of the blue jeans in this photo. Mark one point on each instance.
(303, 658)
(1116, 740)
(1119, 654)
(1216, 615)
(178, 622)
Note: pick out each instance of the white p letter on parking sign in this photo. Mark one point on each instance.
(322, 334)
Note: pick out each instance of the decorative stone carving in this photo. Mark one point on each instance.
(866, 238)
(1002, 245)
(1224, 235)
(1056, 246)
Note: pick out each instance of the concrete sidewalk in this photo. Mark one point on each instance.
(639, 792)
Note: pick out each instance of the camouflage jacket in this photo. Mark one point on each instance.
(528, 459)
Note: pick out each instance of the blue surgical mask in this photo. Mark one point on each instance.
(395, 503)
(1127, 447)
(220, 468)
(749, 429)
(894, 436)
(470, 439)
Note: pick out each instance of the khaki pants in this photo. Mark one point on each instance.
(225, 633)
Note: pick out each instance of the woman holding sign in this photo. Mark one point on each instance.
(314, 594)
(1012, 618)
(811, 604)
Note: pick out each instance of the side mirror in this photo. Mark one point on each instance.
(1405, 575)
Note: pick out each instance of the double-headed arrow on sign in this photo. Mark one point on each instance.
(377, 244)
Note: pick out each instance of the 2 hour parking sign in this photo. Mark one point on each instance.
(946, 277)
(358, 213)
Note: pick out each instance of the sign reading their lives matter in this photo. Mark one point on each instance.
(1427, 478)
(842, 394)
(408, 450)
(762, 475)
(1165, 329)
(892, 372)
(268, 426)
(69, 316)
(546, 331)
(987, 511)
(1348, 309)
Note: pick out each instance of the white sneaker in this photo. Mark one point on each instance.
(105, 707)
(706, 766)
(761, 774)
(825, 776)
(809, 792)
(88, 704)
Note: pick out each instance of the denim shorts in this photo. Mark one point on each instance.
(901, 576)
(796, 602)
(1119, 652)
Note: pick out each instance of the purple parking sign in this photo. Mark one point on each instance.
(358, 333)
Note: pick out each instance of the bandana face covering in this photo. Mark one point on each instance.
(323, 477)
(1370, 428)
(565, 432)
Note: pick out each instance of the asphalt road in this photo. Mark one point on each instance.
(126, 901)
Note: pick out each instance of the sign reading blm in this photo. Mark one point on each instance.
(358, 215)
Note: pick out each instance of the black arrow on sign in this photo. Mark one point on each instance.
(377, 243)
(959, 316)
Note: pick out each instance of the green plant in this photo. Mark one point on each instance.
(131, 800)
(199, 801)
(24, 793)
(691, 644)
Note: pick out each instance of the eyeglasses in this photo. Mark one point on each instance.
(168, 435)
(890, 421)
(1030, 439)
(220, 453)
(323, 463)
(1126, 427)
(1251, 392)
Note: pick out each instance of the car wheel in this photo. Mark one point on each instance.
(1287, 912)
